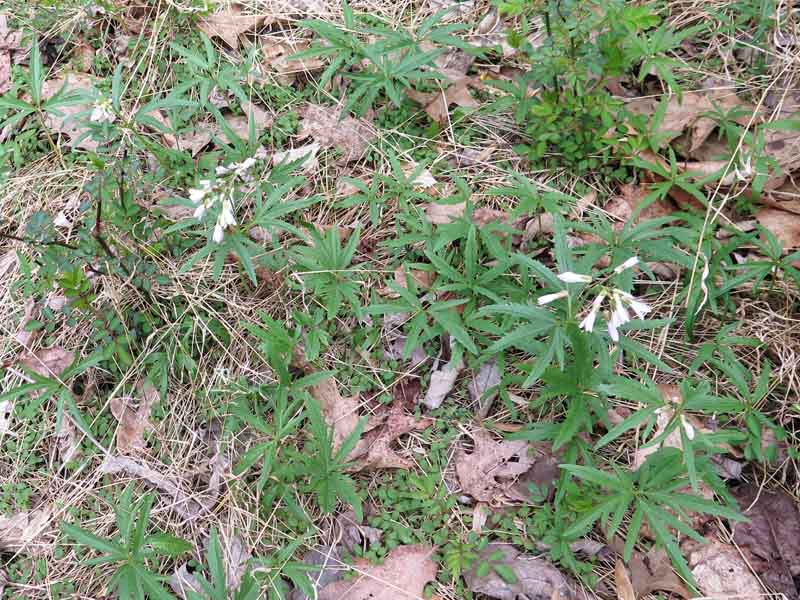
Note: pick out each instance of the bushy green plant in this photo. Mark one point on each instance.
(132, 550)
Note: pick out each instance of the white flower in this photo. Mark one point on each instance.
(197, 195)
(588, 321)
(199, 211)
(687, 427)
(102, 112)
(640, 308)
(746, 172)
(222, 170)
(548, 298)
(570, 277)
(631, 262)
(226, 218)
(619, 309)
(619, 317)
(219, 234)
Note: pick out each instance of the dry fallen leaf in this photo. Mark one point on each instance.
(687, 115)
(278, 58)
(630, 198)
(489, 473)
(341, 413)
(326, 566)
(487, 377)
(402, 576)
(721, 572)
(770, 536)
(229, 24)
(354, 534)
(442, 214)
(27, 531)
(68, 439)
(422, 279)
(437, 104)
(48, 362)
(423, 180)
(653, 572)
(782, 220)
(9, 41)
(66, 123)
(308, 153)
(188, 506)
(24, 337)
(374, 450)
(442, 381)
(535, 577)
(623, 582)
(234, 558)
(133, 423)
(325, 125)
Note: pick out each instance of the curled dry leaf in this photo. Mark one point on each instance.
(307, 152)
(67, 123)
(68, 440)
(783, 221)
(326, 567)
(770, 536)
(48, 362)
(374, 450)
(487, 378)
(622, 581)
(234, 558)
(326, 126)
(188, 506)
(402, 576)
(442, 381)
(422, 279)
(278, 58)
(355, 534)
(23, 336)
(437, 104)
(28, 531)
(652, 572)
(424, 179)
(229, 24)
(133, 423)
(340, 412)
(500, 472)
(534, 577)
(442, 214)
(721, 572)
(688, 115)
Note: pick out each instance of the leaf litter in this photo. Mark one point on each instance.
(375, 449)
(512, 575)
(330, 128)
(402, 576)
(502, 472)
(133, 423)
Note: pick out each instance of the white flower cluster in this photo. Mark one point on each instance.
(209, 194)
(102, 112)
(620, 301)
